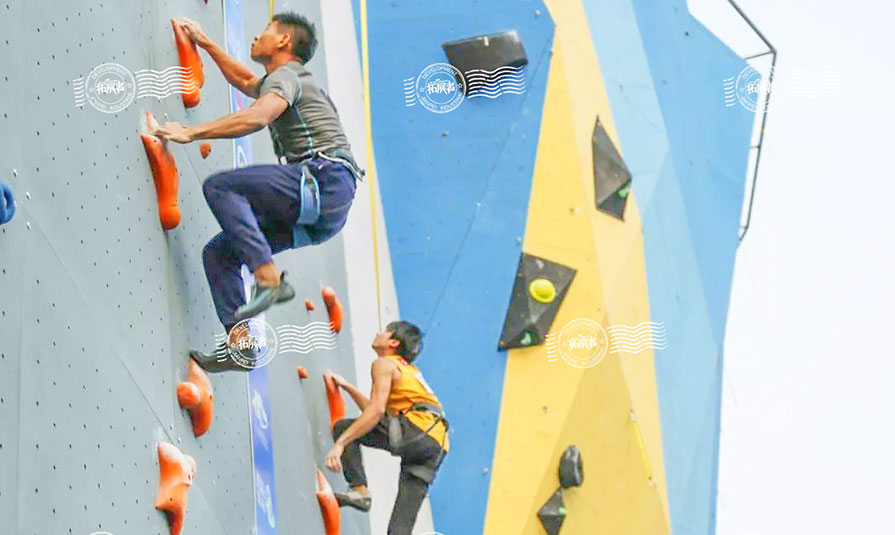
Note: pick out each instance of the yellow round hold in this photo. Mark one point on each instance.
(542, 290)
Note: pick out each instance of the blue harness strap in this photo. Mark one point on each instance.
(308, 208)
(309, 205)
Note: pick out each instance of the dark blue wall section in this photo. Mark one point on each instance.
(455, 190)
(688, 153)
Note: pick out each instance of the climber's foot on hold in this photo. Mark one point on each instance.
(222, 358)
(354, 498)
(264, 296)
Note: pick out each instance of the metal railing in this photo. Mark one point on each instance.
(764, 116)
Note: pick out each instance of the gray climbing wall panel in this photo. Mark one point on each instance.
(98, 305)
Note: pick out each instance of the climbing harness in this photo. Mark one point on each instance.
(397, 442)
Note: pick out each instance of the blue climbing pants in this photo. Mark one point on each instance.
(257, 208)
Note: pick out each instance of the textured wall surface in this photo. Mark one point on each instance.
(99, 305)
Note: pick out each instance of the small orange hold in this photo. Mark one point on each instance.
(193, 75)
(197, 397)
(176, 472)
(334, 400)
(302, 372)
(329, 506)
(309, 305)
(205, 149)
(334, 307)
(165, 176)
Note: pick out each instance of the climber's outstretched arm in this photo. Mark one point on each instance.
(261, 113)
(235, 72)
(382, 371)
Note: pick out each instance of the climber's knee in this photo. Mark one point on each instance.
(340, 427)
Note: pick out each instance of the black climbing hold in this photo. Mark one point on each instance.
(487, 53)
(552, 513)
(612, 179)
(571, 471)
(528, 320)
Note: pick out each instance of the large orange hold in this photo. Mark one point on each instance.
(191, 62)
(329, 506)
(165, 176)
(197, 397)
(334, 400)
(334, 307)
(177, 471)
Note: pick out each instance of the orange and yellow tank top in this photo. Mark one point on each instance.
(410, 390)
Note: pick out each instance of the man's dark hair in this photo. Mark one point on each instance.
(304, 35)
(409, 335)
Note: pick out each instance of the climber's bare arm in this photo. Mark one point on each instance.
(235, 72)
(261, 113)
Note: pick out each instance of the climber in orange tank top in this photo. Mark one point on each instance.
(402, 416)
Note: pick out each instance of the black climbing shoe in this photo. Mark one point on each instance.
(355, 499)
(263, 297)
(221, 359)
(286, 293)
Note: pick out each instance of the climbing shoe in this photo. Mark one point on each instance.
(221, 359)
(355, 499)
(286, 293)
(263, 297)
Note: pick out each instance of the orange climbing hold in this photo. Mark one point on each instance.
(193, 73)
(164, 174)
(309, 305)
(334, 399)
(334, 307)
(196, 396)
(177, 472)
(205, 149)
(329, 506)
(302, 372)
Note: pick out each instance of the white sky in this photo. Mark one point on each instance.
(808, 414)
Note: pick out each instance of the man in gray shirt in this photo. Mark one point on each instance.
(265, 209)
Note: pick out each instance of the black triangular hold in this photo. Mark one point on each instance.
(528, 321)
(552, 513)
(612, 179)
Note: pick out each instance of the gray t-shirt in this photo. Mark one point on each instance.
(310, 123)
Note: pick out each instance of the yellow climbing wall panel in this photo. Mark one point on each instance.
(547, 406)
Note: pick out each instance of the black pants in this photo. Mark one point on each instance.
(411, 489)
